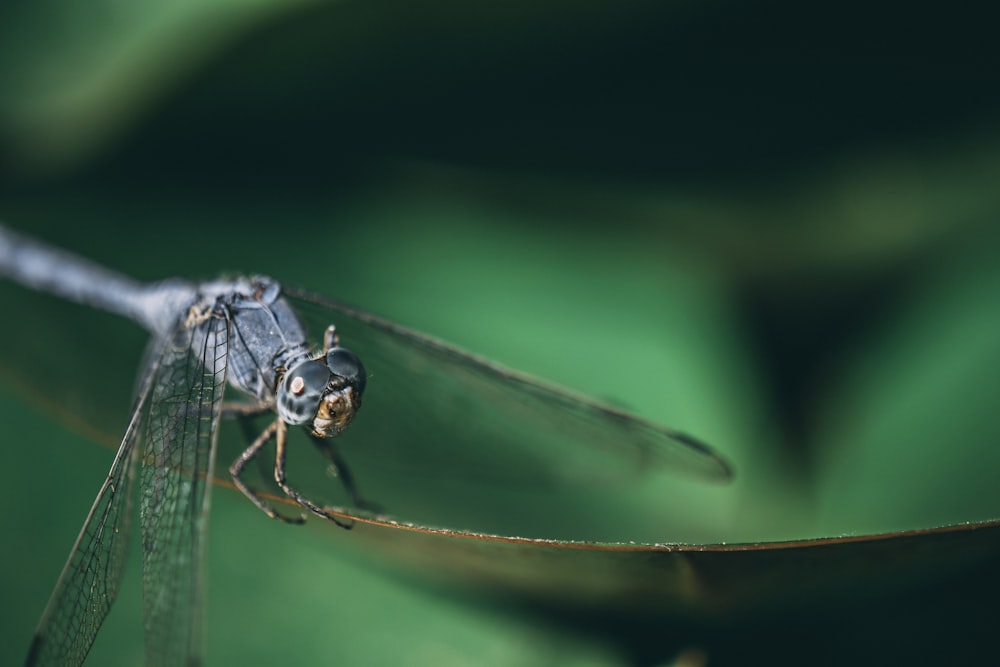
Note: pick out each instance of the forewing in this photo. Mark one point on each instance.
(445, 438)
(436, 386)
(177, 466)
(89, 582)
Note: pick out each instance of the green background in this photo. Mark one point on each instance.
(770, 227)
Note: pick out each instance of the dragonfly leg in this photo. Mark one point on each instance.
(239, 410)
(343, 473)
(236, 470)
(331, 338)
(243, 413)
(279, 477)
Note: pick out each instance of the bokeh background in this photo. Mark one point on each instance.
(768, 225)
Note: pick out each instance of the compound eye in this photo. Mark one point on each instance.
(344, 363)
(300, 392)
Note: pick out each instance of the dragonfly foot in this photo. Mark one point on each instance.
(294, 520)
(343, 522)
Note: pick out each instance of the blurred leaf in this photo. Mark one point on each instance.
(912, 437)
(76, 75)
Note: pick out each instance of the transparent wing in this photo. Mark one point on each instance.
(89, 582)
(445, 438)
(177, 466)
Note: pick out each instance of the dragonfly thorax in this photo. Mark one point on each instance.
(325, 391)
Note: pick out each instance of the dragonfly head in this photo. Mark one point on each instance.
(325, 392)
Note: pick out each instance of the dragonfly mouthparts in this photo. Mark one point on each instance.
(336, 411)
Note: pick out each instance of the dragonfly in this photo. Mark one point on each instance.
(238, 348)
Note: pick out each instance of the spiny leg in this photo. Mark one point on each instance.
(243, 412)
(279, 477)
(236, 470)
(343, 473)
